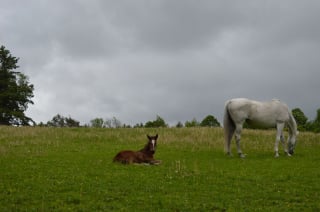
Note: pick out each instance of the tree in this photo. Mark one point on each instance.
(317, 119)
(70, 122)
(112, 123)
(138, 125)
(314, 125)
(116, 123)
(179, 125)
(56, 121)
(97, 123)
(61, 121)
(193, 123)
(210, 121)
(15, 91)
(159, 122)
(300, 118)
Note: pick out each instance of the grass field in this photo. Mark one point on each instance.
(65, 169)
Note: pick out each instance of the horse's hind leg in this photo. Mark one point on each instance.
(227, 146)
(228, 135)
(238, 138)
(283, 144)
(228, 138)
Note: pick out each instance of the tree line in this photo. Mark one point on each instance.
(16, 93)
(209, 121)
(62, 121)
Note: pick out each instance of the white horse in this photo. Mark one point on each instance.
(259, 115)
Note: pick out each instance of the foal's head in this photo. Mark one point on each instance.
(152, 143)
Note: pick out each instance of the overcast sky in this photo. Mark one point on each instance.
(179, 59)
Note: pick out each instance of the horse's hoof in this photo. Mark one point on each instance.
(157, 162)
(241, 155)
(229, 154)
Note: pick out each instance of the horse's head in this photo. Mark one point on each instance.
(152, 144)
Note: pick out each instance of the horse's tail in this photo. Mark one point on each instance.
(229, 128)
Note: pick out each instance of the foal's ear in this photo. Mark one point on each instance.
(148, 137)
(156, 136)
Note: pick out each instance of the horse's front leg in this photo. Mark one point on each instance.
(284, 145)
(278, 138)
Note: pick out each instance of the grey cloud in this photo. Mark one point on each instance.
(177, 59)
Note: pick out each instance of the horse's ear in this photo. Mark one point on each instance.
(148, 137)
(156, 136)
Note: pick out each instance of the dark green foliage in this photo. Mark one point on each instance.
(314, 125)
(97, 123)
(159, 122)
(210, 121)
(193, 123)
(304, 124)
(179, 125)
(15, 91)
(61, 121)
(317, 122)
(113, 123)
(300, 118)
(138, 125)
(70, 122)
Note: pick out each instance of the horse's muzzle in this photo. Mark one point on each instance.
(291, 152)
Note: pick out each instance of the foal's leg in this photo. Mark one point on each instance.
(278, 138)
(155, 162)
(238, 137)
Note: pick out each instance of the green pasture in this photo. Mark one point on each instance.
(71, 169)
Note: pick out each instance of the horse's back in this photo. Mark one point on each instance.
(244, 105)
(258, 114)
(274, 110)
(239, 108)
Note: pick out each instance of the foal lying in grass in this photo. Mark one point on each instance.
(144, 155)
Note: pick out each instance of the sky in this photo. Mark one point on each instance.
(136, 60)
